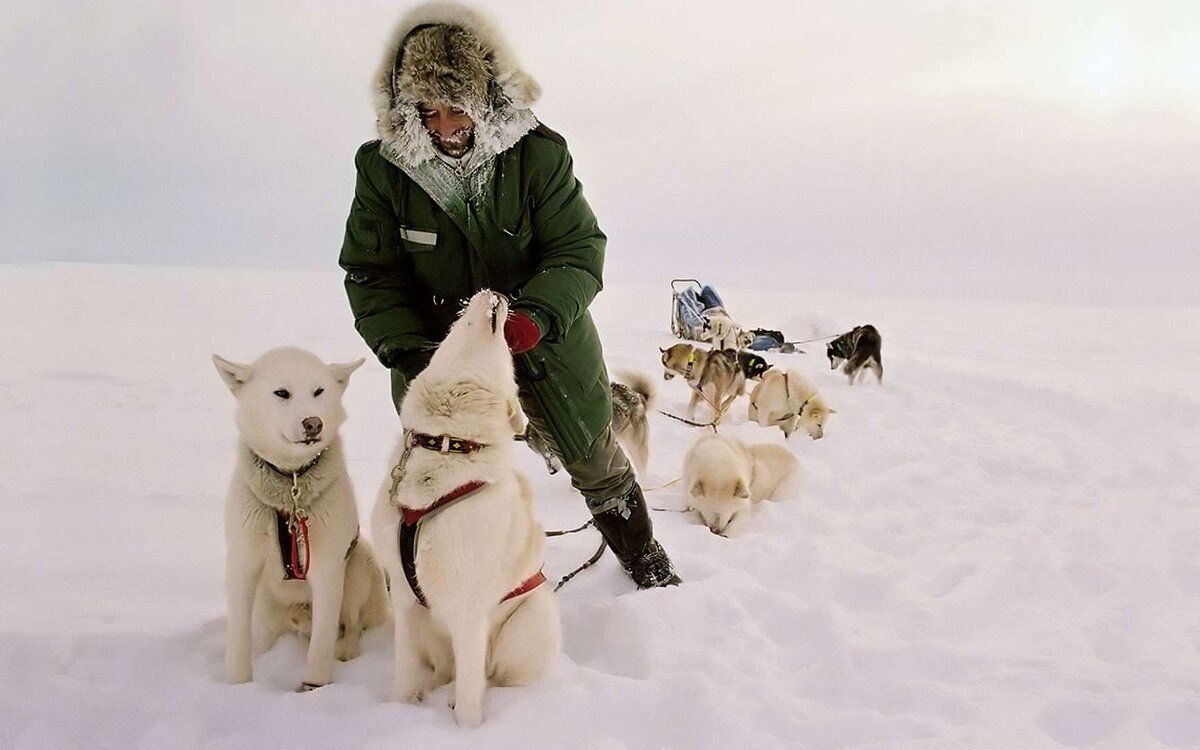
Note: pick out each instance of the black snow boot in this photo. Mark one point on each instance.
(624, 522)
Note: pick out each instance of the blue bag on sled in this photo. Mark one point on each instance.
(690, 303)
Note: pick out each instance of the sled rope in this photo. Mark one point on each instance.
(587, 564)
(664, 486)
(720, 410)
(809, 341)
(688, 421)
(676, 480)
(571, 531)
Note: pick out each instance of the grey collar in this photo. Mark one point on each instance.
(285, 473)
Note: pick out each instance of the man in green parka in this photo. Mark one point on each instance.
(466, 190)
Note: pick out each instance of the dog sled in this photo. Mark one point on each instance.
(693, 308)
(691, 304)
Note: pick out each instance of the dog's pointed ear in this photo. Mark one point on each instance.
(342, 372)
(516, 417)
(697, 488)
(741, 490)
(234, 374)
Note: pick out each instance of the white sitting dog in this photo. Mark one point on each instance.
(293, 555)
(455, 527)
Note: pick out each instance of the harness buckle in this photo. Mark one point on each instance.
(398, 471)
(294, 516)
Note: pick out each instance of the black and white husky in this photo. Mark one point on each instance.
(858, 349)
(632, 398)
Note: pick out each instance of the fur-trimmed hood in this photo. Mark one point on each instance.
(468, 65)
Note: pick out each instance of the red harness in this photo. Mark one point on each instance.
(293, 544)
(413, 515)
(407, 537)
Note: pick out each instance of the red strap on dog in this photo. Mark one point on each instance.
(293, 545)
(407, 538)
(412, 515)
(531, 583)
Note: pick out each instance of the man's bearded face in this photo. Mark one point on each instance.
(452, 129)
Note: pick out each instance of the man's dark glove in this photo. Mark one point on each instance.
(410, 361)
(520, 332)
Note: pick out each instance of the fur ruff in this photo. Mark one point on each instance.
(274, 490)
(469, 66)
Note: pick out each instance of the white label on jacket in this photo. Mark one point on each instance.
(418, 236)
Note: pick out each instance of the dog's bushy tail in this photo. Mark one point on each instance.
(640, 384)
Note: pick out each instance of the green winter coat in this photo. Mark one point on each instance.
(409, 266)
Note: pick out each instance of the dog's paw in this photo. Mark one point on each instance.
(345, 650)
(469, 717)
(406, 694)
(236, 674)
(300, 619)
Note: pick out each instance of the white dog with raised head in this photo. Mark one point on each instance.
(724, 476)
(455, 527)
(294, 560)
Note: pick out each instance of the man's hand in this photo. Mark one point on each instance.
(520, 332)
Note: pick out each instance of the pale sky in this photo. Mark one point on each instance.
(1021, 150)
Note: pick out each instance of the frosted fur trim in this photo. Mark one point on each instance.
(499, 124)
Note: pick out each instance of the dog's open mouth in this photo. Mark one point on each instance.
(498, 311)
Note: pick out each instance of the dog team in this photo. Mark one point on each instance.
(724, 476)
(458, 549)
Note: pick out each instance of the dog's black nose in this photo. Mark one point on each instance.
(312, 426)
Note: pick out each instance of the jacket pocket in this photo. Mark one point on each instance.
(418, 240)
(558, 398)
(519, 232)
(362, 236)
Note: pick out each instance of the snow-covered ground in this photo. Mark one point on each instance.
(995, 549)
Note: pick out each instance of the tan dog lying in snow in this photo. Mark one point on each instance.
(723, 477)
